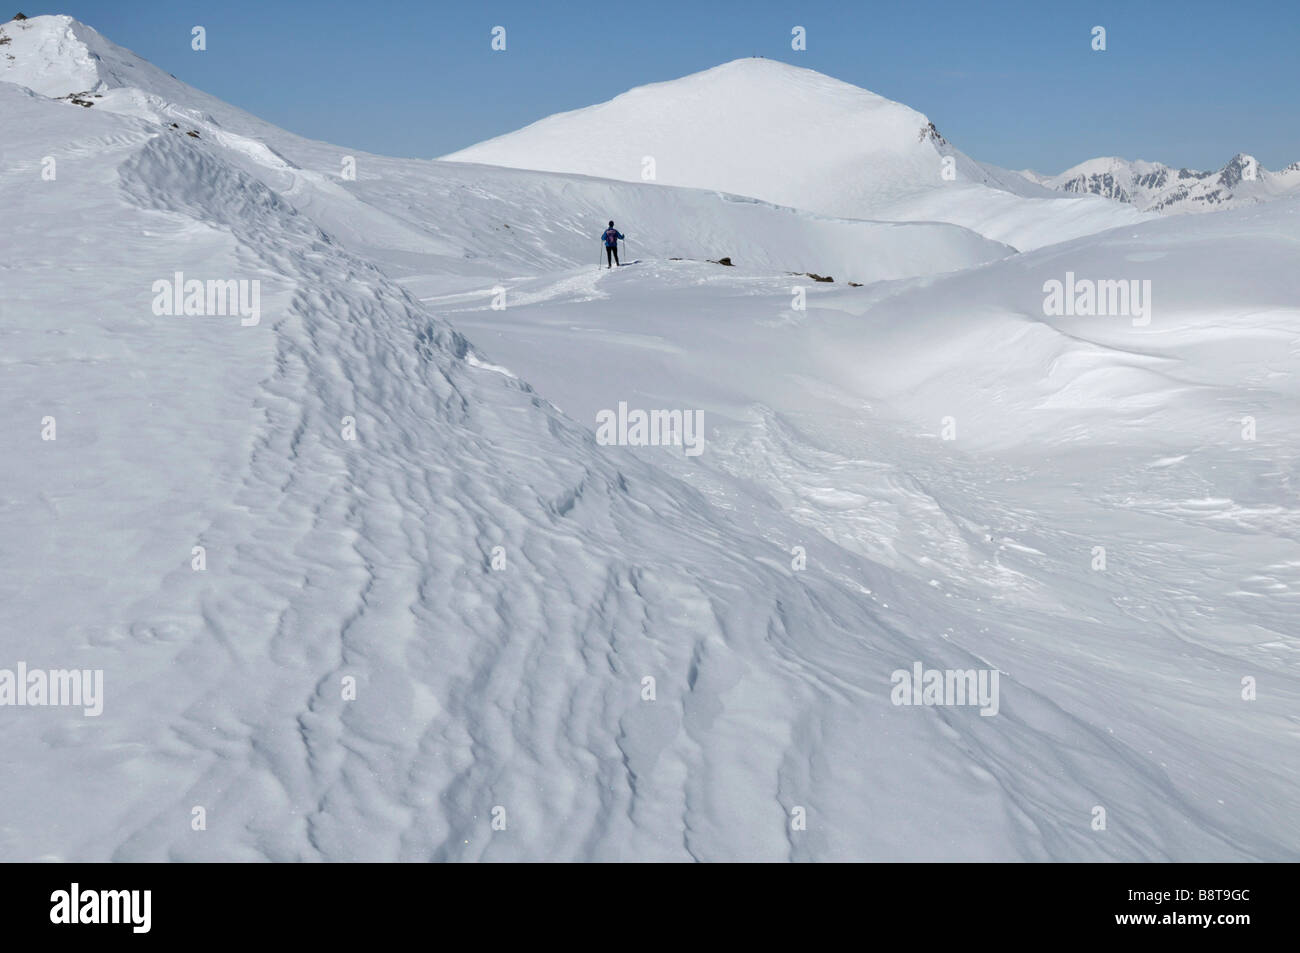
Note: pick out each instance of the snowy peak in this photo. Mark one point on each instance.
(62, 58)
(57, 56)
(1241, 168)
(755, 127)
(758, 75)
(795, 137)
(1154, 187)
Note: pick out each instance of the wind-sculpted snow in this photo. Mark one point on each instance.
(1070, 433)
(500, 584)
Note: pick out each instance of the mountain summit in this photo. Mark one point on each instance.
(795, 137)
(753, 126)
(58, 56)
(62, 58)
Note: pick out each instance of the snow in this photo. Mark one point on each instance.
(795, 137)
(522, 688)
(1155, 187)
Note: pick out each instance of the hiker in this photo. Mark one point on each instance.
(611, 236)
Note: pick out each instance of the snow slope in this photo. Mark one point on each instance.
(522, 688)
(799, 138)
(1154, 187)
(1070, 433)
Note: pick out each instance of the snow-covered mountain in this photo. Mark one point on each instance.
(796, 137)
(1154, 187)
(433, 615)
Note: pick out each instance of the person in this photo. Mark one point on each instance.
(611, 236)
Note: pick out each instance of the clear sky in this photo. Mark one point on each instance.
(1188, 83)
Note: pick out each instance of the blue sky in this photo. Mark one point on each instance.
(1013, 83)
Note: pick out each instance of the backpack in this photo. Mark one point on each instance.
(611, 237)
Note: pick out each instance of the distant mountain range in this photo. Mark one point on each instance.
(1155, 187)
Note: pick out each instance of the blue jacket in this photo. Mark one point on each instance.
(611, 236)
